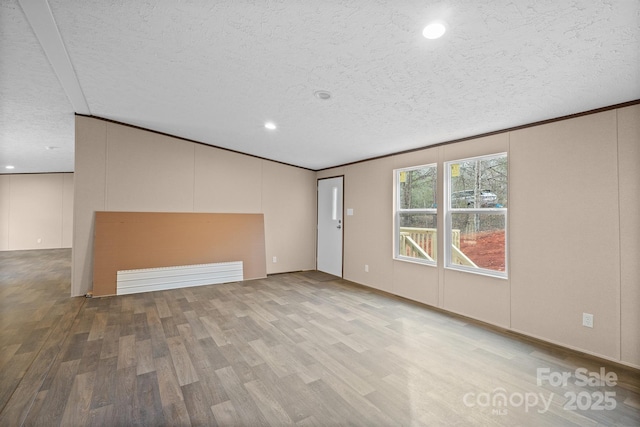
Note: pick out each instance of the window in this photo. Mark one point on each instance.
(476, 215)
(416, 218)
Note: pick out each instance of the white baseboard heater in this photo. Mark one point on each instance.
(182, 276)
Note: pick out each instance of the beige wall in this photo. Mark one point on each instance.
(565, 232)
(359, 181)
(629, 176)
(5, 202)
(119, 168)
(573, 243)
(36, 211)
(289, 206)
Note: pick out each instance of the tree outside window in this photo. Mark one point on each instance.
(416, 215)
(476, 214)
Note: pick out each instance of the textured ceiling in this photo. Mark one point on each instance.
(34, 110)
(214, 72)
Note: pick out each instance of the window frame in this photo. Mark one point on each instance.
(398, 210)
(448, 220)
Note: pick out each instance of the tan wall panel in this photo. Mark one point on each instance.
(35, 211)
(477, 147)
(148, 172)
(134, 240)
(441, 225)
(67, 210)
(36, 206)
(328, 173)
(289, 206)
(368, 234)
(5, 202)
(416, 158)
(227, 181)
(416, 281)
(629, 173)
(564, 235)
(480, 297)
(89, 196)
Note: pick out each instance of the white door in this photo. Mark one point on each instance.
(330, 225)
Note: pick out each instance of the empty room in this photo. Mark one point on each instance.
(367, 213)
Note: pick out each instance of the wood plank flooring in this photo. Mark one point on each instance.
(293, 349)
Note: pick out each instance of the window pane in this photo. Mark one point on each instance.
(479, 183)
(418, 235)
(478, 240)
(417, 188)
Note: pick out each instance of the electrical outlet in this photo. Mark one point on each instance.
(366, 268)
(587, 320)
(275, 259)
(39, 240)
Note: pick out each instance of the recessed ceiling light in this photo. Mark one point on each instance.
(10, 167)
(322, 94)
(270, 125)
(435, 30)
(50, 147)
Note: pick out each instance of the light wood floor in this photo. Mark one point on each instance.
(296, 348)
